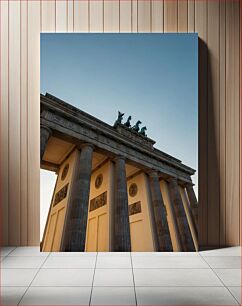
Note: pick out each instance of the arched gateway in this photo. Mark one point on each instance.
(114, 190)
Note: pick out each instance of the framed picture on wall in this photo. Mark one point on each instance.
(119, 142)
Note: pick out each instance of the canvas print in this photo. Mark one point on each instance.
(119, 142)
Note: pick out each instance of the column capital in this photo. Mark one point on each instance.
(152, 172)
(172, 179)
(119, 157)
(45, 134)
(190, 184)
(86, 145)
(45, 127)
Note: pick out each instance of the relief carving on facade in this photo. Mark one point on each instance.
(61, 195)
(134, 208)
(98, 202)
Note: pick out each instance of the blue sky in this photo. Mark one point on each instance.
(152, 77)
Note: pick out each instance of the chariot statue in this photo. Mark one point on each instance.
(136, 126)
(127, 123)
(119, 119)
(142, 131)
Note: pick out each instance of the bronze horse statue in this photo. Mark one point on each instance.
(136, 126)
(119, 119)
(127, 123)
(142, 131)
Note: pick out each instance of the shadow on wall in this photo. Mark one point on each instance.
(210, 223)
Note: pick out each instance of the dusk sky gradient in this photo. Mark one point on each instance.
(152, 77)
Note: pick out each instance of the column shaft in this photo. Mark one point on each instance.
(122, 240)
(193, 204)
(45, 134)
(75, 233)
(161, 226)
(182, 222)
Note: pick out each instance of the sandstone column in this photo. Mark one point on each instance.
(182, 222)
(45, 134)
(193, 204)
(161, 226)
(121, 239)
(75, 233)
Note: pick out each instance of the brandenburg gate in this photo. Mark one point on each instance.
(114, 190)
